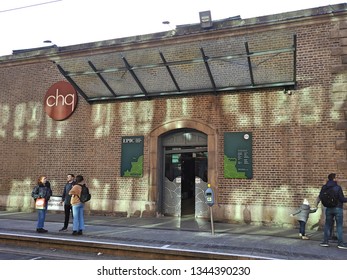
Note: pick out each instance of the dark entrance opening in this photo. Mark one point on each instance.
(185, 170)
(184, 173)
(187, 184)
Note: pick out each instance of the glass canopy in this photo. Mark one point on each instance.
(213, 66)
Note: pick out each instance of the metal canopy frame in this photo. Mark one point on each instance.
(178, 89)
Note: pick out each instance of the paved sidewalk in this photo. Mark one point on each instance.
(182, 233)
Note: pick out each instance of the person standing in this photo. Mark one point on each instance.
(302, 216)
(42, 190)
(332, 236)
(332, 213)
(77, 206)
(66, 199)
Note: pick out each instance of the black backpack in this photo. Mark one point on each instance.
(85, 195)
(329, 198)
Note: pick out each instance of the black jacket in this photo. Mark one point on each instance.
(338, 192)
(66, 197)
(42, 190)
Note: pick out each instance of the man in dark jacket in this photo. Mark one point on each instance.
(332, 213)
(66, 199)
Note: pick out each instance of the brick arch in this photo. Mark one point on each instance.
(154, 136)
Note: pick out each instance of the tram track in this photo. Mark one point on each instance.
(128, 251)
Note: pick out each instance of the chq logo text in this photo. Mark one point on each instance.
(60, 101)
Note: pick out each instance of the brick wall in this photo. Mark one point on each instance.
(294, 136)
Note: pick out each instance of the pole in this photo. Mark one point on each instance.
(212, 225)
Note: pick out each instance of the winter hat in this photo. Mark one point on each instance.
(306, 202)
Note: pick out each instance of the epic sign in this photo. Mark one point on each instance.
(60, 101)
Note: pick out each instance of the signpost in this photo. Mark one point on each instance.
(209, 199)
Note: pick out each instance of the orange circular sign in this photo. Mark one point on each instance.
(60, 101)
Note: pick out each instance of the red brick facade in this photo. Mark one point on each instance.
(297, 139)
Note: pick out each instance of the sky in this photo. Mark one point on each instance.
(28, 23)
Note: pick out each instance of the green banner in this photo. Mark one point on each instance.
(132, 156)
(238, 155)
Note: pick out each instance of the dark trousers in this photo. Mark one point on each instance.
(302, 227)
(67, 211)
(331, 214)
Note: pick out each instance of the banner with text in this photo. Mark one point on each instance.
(238, 155)
(132, 156)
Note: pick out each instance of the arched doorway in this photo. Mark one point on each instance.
(157, 155)
(184, 172)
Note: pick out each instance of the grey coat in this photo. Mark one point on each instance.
(303, 212)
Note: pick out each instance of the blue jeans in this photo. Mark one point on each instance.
(330, 214)
(302, 227)
(78, 217)
(41, 217)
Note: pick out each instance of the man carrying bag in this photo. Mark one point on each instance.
(333, 210)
